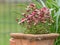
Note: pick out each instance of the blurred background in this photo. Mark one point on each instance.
(8, 15)
(8, 18)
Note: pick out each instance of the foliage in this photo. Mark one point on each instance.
(55, 13)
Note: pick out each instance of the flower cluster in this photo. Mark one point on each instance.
(34, 15)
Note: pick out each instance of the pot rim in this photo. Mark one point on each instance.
(33, 36)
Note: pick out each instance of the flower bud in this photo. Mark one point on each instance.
(52, 21)
(49, 23)
(23, 14)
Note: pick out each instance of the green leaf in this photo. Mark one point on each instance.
(37, 4)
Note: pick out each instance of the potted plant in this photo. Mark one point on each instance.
(37, 23)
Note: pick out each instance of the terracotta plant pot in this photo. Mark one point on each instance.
(31, 39)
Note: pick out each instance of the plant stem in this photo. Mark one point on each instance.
(57, 18)
(42, 3)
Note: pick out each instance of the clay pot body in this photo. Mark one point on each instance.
(30, 39)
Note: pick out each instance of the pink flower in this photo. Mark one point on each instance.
(41, 15)
(44, 9)
(24, 14)
(33, 5)
(22, 20)
(33, 13)
(29, 16)
(28, 10)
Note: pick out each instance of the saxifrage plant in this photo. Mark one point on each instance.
(36, 21)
